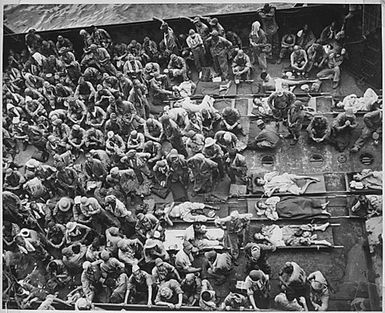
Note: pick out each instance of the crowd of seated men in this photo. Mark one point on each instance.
(103, 140)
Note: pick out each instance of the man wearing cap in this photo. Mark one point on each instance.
(241, 66)
(113, 124)
(77, 138)
(164, 271)
(295, 119)
(195, 43)
(63, 43)
(170, 294)
(76, 232)
(235, 227)
(213, 151)
(178, 167)
(372, 128)
(135, 141)
(342, 128)
(299, 61)
(279, 102)
(226, 140)
(161, 171)
(184, 259)
(287, 45)
(268, 137)
(201, 28)
(145, 225)
(138, 97)
(154, 149)
(150, 70)
(219, 48)
(258, 287)
(319, 129)
(319, 291)
(177, 68)
(115, 146)
(191, 286)
(195, 142)
(139, 287)
(63, 211)
(217, 265)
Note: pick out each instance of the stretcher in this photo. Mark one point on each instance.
(174, 238)
(314, 188)
(321, 235)
(349, 179)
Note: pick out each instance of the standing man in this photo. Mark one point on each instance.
(234, 226)
(258, 43)
(270, 27)
(219, 48)
(195, 43)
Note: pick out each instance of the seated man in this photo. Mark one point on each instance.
(184, 258)
(342, 128)
(316, 54)
(332, 70)
(267, 138)
(273, 182)
(299, 61)
(177, 67)
(231, 120)
(287, 45)
(258, 287)
(292, 277)
(319, 291)
(241, 66)
(170, 294)
(217, 266)
(319, 129)
(372, 128)
(226, 140)
(371, 205)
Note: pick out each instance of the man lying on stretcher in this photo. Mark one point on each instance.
(273, 182)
